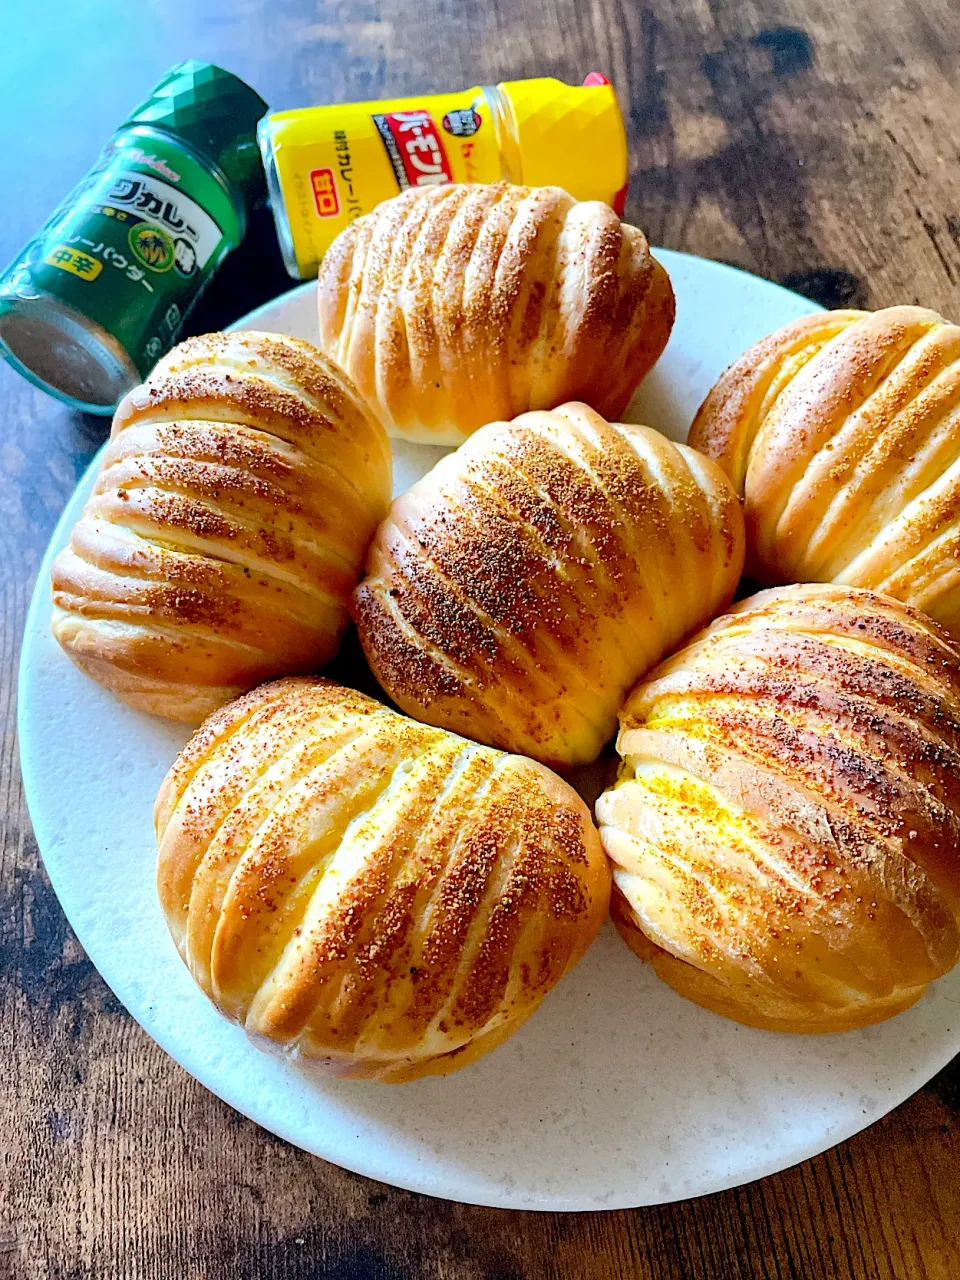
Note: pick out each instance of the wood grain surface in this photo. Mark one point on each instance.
(813, 142)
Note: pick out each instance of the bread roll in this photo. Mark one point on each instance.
(227, 528)
(842, 433)
(517, 592)
(785, 831)
(356, 889)
(454, 306)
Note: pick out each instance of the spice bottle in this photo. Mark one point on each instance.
(103, 289)
(328, 165)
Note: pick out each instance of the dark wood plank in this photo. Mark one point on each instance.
(809, 141)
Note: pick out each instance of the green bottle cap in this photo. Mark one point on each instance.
(217, 114)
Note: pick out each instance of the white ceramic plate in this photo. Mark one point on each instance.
(617, 1092)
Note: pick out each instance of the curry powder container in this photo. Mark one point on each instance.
(103, 289)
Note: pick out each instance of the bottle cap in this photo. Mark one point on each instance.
(570, 136)
(217, 114)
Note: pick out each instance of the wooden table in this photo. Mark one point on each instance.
(810, 141)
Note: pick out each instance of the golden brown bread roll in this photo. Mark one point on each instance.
(518, 591)
(380, 897)
(458, 305)
(842, 433)
(785, 831)
(227, 528)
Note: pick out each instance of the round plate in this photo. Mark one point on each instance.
(617, 1092)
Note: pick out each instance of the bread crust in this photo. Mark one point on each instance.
(842, 434)
(785, 831)
(462, 304)
(369, 894)
(517, 592)
(227, 527)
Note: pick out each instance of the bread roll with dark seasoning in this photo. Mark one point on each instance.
(785, 830)
(461, 304)
(518, 591)
(227, 527)
(378, 897)
(841, 432)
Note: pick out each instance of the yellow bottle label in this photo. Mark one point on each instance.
(338, 162)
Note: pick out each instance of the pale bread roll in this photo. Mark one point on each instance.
(785, 831)
(227, 528)
(842, 433)
(517, 592)
(457, 305)
(379, 897)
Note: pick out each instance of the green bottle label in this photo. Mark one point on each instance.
(134, 245)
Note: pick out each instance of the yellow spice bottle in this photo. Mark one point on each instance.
(326, 166)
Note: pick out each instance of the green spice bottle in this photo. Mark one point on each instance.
(103, 289)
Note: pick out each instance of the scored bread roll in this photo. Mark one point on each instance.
(785, 831)
(227, 527)
(841, 432)
(354, 888)
(516, 593)
(457, 305)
